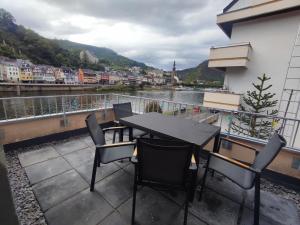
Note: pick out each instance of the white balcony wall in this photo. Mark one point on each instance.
(272, 39)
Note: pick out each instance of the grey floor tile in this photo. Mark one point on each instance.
(46, 169)
(85, 208)
(191, 220)
(275, 208)
(114, 219)
(215, 209)
(80, 157)
(88, 140)
(123, 163)
(103, 171)
(116, 188)
(129, 168)
(225, 187)
(36, 156)
(248, 218)
(151, 208)
(56, 189)
(70, 146)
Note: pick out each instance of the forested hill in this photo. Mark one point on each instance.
(18, 42)
(104, 54)
(201, 72)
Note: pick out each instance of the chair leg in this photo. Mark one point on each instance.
(134, 197)
(186, 208)
(114, 137)
(94, 171)
(203, 180)
(98, 160)
(257, 200)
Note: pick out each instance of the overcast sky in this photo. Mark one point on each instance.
(151, 31)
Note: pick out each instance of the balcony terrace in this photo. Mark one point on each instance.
(49, 160)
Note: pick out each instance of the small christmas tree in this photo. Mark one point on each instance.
(258, 101)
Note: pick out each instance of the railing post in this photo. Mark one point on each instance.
(4, 109)
(64, 110)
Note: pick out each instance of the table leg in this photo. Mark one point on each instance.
(130, 134)
(121, 135)
(216, 148)
(216, 143)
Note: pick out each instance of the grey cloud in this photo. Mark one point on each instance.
(170, 16)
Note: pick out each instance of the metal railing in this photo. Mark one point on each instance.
(35, 107)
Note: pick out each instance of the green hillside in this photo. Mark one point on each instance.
(18, 42)
(105, 55)
(201, 72)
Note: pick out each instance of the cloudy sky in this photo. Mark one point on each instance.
(151, 31)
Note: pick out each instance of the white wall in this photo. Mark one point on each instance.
(272, 41)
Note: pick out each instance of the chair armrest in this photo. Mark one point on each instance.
(193, 165)
(240, 144)
(113, 128)
(134, 156)
(115, 145)
(235, 162)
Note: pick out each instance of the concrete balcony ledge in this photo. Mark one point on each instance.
(233, 55)
(218, 100)
(253, 9)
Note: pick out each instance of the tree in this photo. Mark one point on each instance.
(6, 18)
(258, 101)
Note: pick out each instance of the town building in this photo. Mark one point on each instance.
(49, 74)
(11, 70)
(264, 39)
(25, 67)
(87, 76)
(2, 72)
(38, 74)
(70, 76)
(59, 76)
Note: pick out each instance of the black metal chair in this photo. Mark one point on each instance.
(122, 110)
(242, 174)
(106, 153)
(166, 165)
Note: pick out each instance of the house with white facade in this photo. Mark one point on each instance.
(12, 71)
(264, 38)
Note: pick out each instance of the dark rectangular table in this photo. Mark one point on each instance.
(182, 129)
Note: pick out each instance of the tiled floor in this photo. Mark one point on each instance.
(60, 176)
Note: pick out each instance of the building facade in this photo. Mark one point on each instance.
(25, 66)
(87, 76)
(12, 71)
(264, 39)
(263, 36)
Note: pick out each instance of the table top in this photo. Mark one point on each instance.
(171, 126)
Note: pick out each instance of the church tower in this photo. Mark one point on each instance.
(173, 81)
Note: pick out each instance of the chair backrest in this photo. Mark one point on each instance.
(122, 110)
(94, 129)
(163, 162)
(269, 152)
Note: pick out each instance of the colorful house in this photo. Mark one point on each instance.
(87, 76)
(59, 75)
(25, 67)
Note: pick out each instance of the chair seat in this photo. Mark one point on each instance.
(238, 175)
(116, 153)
